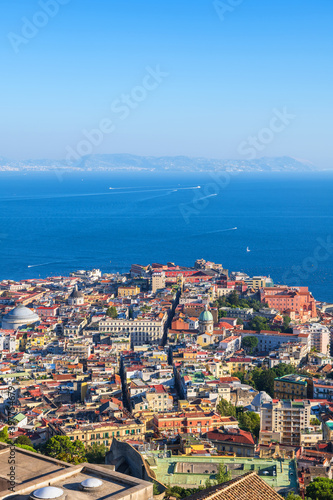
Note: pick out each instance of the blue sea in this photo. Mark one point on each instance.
(54, 223)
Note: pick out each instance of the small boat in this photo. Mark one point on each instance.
(247, 249)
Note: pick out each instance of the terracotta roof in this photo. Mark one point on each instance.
(247, 487)
(232, 435)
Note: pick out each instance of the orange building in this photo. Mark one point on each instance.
(194, 422)
(297, 302)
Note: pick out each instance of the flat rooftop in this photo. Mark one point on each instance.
(166, 470)
(27, 466)
(34, 471)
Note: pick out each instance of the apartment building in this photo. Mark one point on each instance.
(293, 386)
(101, 432)
(7, 340)
(157, 281)
(284, 422)
(319, 336)
(193, 422)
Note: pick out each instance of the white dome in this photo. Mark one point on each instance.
(19, 316)
(91, 482)
(49, 492)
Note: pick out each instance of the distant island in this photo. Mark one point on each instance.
(118, 162)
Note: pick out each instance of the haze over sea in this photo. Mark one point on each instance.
(53, 224)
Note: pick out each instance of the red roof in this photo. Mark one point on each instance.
(232, 436)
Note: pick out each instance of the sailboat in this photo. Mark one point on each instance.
(247, 249)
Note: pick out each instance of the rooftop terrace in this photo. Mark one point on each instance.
(279, 474)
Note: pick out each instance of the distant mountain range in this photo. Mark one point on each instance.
(104, 162)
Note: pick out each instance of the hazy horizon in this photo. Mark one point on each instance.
(192, 79)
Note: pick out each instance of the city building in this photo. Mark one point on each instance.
(296, 302)
(293, 386)
(142, 330)
(101, 432)
(320, 336)
(76, 298)
(157, 281)
(206, 321)
(283, 421)
(128, 291)
(192, 422)
(236, 441)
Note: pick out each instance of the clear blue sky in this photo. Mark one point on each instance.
(225, 77)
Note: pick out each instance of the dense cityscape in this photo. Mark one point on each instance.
(182, 377)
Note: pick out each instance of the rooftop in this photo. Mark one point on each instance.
(248, 487)
(283, 481)
(79, 482)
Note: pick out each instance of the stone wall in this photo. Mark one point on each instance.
(126, 458)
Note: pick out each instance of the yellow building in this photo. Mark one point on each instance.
(160, 356)
(292, 387)
(238, 364)
(37, 340)
(206, 339)
(127, 291)
(101, 433)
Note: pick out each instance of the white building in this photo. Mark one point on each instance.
(76, 298)
(7, 340)
(231, 344)
(319, 336)
(142, 330)
(283, 421)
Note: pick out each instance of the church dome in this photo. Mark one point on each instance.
(206, 316)
(19, 316)
(76, 294)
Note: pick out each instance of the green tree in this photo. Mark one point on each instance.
(223, 474)
(293, 496)
(95, 453)
(4, 438)
(240, 375)
(250, 343)
(283, 369)
(249, 421)
(321, 488)
(112, 312)
(156, 491)
(25, 447)
(258, 323)
(286, 322)
(233, 298)
(62, 448)
(226, 409)
(263, 379)
(314, 421)
(23, 440)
